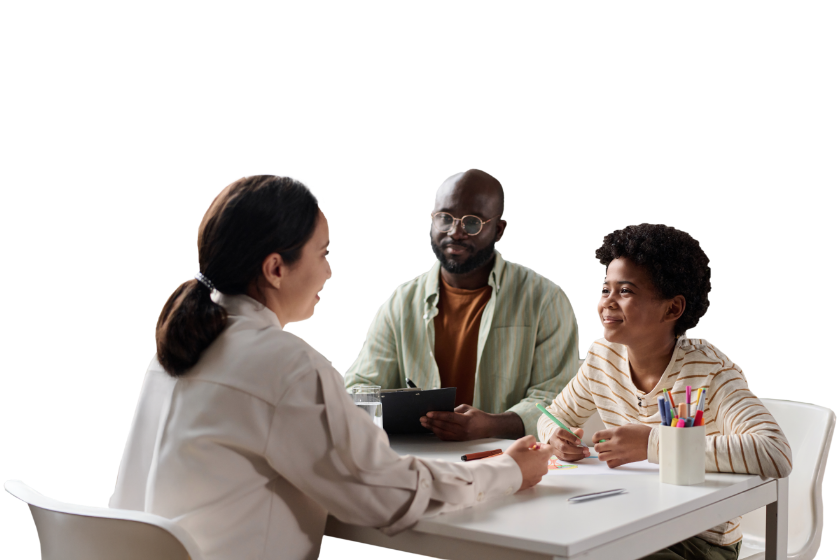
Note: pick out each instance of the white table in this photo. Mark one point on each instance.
(540, 523)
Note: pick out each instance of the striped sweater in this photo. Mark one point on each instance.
(741, 436)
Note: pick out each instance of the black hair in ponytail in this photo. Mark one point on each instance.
(249, 220)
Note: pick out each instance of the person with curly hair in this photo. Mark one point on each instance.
(656, 288)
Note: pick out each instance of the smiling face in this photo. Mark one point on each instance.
(472, 193)
(302, 281)
(631, 310)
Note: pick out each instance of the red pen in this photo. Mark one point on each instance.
(698, 418)
(481, 455)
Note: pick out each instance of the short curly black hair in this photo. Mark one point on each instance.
(674, 260)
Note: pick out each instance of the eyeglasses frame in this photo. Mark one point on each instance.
(461, 220)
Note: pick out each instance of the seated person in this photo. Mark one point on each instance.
(500, 333)
(656, 288)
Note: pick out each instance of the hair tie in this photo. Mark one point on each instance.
(206, 281)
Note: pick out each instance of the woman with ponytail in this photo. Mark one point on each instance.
(244, 434)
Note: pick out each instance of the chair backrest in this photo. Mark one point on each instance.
(808, 429)
(74, 532)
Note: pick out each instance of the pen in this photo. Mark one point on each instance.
(410, 383)
(595, 495)
(555, 420)
(663, 416)
(481, 455)
(688, 398)
(671, 398)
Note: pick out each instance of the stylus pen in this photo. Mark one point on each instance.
(555, 420)
(596, 495)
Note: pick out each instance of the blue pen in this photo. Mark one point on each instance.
(662, 414)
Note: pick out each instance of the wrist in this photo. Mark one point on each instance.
(506, 425)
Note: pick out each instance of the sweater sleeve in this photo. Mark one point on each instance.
(331, 451)
(741, 435)
(573, 406)
(555, 359)
(378, 361)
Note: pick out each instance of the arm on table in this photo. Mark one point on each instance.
(747, 440)
(573, 406)
(328, 449)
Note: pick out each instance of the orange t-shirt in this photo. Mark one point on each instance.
(456, 337)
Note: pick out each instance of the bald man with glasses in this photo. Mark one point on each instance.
(500, 333)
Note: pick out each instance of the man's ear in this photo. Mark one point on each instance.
(500, 229)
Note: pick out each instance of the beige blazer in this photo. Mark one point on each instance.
(253, 447)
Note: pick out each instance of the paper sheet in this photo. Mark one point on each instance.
(591, 465)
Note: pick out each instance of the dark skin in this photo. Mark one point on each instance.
(478, 194)
(635, 315)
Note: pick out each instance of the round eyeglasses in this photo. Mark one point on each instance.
(444, 222)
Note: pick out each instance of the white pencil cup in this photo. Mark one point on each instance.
(682, 455)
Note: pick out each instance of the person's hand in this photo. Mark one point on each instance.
(532, 458)
(624, 444)
(567, 447)
(465, 423)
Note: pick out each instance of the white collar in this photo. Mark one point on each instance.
(248, 307)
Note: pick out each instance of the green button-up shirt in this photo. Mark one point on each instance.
(527, 342)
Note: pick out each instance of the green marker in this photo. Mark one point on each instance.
(555, 420)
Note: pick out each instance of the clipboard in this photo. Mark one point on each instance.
(402, 408)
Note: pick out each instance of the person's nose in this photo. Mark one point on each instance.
(609, 301)
(457, 232)
(329, 270)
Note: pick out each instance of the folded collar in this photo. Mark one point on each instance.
(246, 306)
(432, 286)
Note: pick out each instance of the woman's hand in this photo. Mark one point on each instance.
(566, 447)
(532, 459)
(625, 444)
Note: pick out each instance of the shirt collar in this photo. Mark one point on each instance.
(246, 306)
(432, 287)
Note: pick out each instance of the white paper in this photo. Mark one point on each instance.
(591, 465)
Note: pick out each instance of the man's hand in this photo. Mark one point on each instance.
(566, 447)
(468, 423)
(625, 444)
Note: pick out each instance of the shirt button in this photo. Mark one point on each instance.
(480, 496)
(509, 490)
(424, 483)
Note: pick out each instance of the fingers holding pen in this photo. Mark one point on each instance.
(567, 447)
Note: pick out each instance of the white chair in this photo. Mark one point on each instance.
(808, 429)
(74, 532)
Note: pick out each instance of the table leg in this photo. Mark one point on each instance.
(776, 528)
